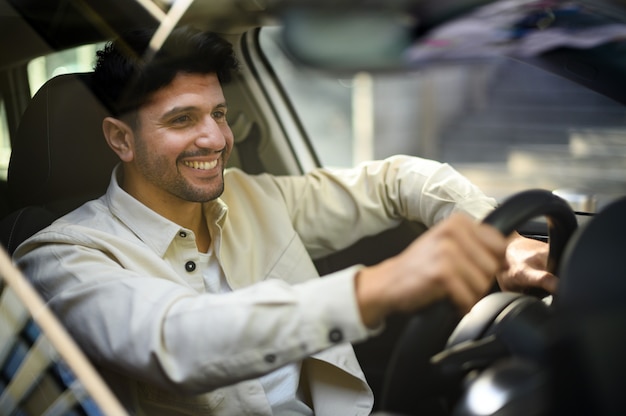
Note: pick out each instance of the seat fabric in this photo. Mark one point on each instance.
(60, 158)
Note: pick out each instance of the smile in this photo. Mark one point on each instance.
(201, 165)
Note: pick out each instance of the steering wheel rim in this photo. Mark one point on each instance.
(412, 384)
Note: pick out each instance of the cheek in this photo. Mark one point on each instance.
(228, 136)
(152, 152)
(163, 142)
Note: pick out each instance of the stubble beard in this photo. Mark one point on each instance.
(184, 190)
(155, 171)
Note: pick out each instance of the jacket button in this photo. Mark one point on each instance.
(182, 234)
(335, 335)
(270, 358)
(190, 266)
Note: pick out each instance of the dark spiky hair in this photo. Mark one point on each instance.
(126, 73)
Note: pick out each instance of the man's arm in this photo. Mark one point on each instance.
(347, 204)
(333, 208)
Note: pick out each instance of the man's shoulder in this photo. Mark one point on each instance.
(89, 212)
(244, 191)
(237, 180)
(85, 216)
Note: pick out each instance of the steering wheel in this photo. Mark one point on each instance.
(413, 383)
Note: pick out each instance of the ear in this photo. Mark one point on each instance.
(120, 137)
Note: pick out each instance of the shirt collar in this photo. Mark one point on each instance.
(153, 229)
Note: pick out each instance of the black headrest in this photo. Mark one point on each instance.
(60, 158)
(589, 358)
(594, 264)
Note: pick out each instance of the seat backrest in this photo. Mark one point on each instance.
(42, 371)
(59, 158)
(59, 161)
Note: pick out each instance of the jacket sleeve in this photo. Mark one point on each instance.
(332, 208)
(138, 321)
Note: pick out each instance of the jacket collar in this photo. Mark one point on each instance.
(150, 227)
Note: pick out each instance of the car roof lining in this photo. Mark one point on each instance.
(46, 26)
(600, 69)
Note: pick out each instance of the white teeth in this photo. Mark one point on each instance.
(201, 165)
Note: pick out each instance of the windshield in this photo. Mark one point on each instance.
(506, 125)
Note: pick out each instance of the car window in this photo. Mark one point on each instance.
(508, 126)
(40, 70)
(80, 59)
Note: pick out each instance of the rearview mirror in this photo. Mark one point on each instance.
(375, 36)
(332, 39)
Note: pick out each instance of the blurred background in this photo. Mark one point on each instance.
(506, 125)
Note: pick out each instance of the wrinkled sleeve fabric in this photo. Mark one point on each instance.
(332, 208)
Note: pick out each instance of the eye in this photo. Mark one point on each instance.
(219, 114)
(182, 119)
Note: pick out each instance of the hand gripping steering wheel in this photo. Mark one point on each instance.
(413, 384)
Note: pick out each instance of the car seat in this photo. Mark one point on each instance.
(42, 370)
(60, 158)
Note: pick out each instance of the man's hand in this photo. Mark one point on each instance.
(458, 259)
(527, 259)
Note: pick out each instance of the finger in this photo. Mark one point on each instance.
(542, 279)
(479, 258)
(549, 282)
(484, 234)
(462, 294)
(472, 281)
(492, 238)
(477, 277)
(468, 265)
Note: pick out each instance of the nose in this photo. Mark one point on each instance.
(212, 134)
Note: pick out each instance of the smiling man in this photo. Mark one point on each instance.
(192, 287)
(175, 153)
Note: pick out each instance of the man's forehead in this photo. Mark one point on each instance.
(189, 90)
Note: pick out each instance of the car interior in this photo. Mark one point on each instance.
(522, 346)
(62, 123)
(43, 369)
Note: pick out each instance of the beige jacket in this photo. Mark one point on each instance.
(122, 279)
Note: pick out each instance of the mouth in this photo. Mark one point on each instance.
(201, 165)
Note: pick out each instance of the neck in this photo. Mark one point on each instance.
(203, 236)
(191, 216)
(187, 214)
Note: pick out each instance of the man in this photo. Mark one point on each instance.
(192, 288)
